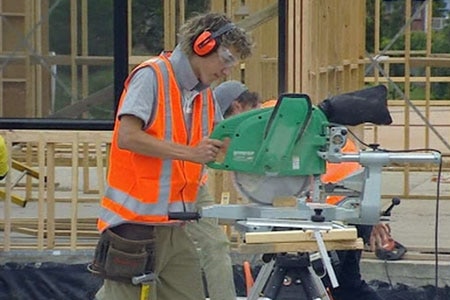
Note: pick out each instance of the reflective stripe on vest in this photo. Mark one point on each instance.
(144, 189)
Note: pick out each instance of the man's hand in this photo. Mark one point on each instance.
(206, 151)
(380, 237)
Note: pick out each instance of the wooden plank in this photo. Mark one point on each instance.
(411, 79)
(41, 196)
(416, 256)
(309, 246)
(290, 47)
(15, 199)
(74, 203)
(24, 168)
(55, 233)
(28, 179)
(61, 246)
(56, 136)
(298, 48)
(51, 211)
(257, 19)
(100, 169)
(7, 206)
(85, 166)
(291, 236)
(73, 49)
(169, 24)
(34, 220)
(286, 201)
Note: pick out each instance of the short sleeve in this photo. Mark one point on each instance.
(142, 96)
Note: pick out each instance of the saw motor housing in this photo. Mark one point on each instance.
(279, 141)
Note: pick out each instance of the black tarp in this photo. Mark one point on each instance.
(49, 281)
(56, 281)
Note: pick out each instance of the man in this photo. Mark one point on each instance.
(232, 97)
(157, 156)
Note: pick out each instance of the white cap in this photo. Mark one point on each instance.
(228, 91)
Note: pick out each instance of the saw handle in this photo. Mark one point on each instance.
(184, 216)
(387, 213)
(220, 158)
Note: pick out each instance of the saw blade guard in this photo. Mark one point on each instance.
(265, 189)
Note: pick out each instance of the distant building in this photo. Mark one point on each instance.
(419, 22)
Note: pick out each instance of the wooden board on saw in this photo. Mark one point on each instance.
(300, 241)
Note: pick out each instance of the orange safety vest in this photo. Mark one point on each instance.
(145, 189)
(338, 171)
(269, 103)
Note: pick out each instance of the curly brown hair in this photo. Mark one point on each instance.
(237, 37)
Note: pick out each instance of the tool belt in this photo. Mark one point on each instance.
(124, 251)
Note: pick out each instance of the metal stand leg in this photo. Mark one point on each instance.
(261, 280)
(288, 276)
(326, 259)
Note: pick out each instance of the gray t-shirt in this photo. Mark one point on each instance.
(142, 91)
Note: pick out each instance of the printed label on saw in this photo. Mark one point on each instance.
(243, 155)
(295, 162)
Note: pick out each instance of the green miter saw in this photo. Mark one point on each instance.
(273, 151)
(282, 152)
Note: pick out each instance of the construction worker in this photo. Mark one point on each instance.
(232, 97)
(158, 152)
(3, 158)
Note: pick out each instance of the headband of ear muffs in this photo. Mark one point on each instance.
(206, 42)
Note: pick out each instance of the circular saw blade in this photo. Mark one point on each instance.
(264, 189)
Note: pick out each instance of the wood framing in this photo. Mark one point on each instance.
(47, 207)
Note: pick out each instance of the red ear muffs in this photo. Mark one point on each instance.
(206, 42)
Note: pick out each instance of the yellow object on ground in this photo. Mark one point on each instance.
(3, 158)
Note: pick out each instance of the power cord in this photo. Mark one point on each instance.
(436, 229)
(388, 276)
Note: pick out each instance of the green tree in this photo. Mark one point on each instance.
(148, 24)
(392, 20)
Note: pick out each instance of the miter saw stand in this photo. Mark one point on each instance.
(362, 205)
(292, 275)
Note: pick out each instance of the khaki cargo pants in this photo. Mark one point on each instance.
(214, 251)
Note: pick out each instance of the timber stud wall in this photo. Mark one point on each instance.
(54, 217)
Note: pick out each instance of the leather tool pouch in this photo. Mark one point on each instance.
(124, 251)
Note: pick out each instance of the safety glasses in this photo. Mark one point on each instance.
(226, 57)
